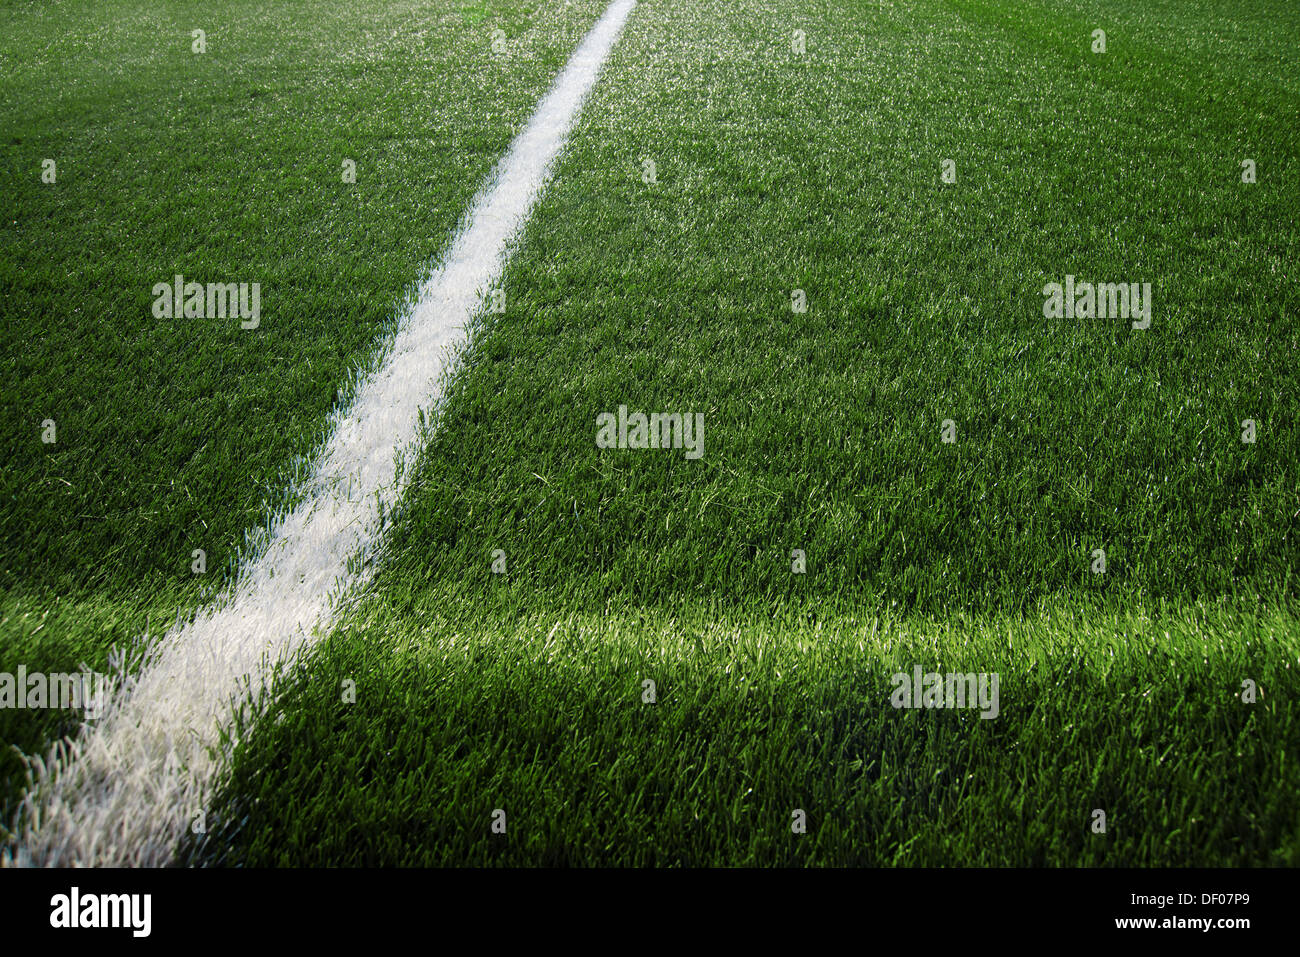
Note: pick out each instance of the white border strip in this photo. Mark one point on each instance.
(125, 791)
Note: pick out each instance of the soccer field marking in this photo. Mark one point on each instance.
(127, 789)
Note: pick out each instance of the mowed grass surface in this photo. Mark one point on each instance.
(821, 171)
(755, 717)
(823, 430)
(225, 166)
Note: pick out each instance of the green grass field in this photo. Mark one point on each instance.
(180, 434)
(775, 171)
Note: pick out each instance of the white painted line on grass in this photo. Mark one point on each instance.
(127, 789)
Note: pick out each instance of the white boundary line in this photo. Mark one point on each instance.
(128, 787)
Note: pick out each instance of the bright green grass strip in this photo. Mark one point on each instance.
(1131, 711)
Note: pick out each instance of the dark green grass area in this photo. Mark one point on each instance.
(226, 166)
(543, 717)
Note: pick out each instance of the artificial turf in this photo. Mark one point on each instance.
(226, 166)
(753, 717)
(820, 171)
